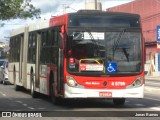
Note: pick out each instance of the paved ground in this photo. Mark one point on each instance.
(152, 84)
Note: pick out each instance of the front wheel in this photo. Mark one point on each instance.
(55, 100)
(119, 101)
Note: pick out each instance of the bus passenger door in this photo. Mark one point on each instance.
(37, 79)
(21, 57)
(60, 61)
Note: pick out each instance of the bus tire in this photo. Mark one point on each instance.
(55, 100)
(33, 92)
(119, 101)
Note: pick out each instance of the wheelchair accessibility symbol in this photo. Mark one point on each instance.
(111, 67)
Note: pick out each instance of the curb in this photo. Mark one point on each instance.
(152, 77)
(152, 89)
(158, 79)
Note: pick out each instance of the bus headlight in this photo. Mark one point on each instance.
(71, 81)
(137, 83)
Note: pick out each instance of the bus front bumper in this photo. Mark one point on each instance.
(72, 92)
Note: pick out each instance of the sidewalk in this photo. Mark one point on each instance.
(152, 84)
(152, 77)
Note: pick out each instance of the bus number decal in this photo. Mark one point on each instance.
(118, 84)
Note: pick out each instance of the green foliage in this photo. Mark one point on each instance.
(12, 9)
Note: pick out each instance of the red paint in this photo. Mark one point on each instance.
(98, 82)
(71, 60)
(58, 21)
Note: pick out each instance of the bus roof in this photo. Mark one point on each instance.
(32, 27)
(17, 31)
(99, 12)
(39, 25)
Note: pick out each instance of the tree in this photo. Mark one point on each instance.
(12, 9)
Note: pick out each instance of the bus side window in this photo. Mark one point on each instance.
(42, 54)
(53, 37)
(32, 48)
(50, 37)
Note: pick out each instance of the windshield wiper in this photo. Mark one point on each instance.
(126, 54)
(92, 38)
(116, 43)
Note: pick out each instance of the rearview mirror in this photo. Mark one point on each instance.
(63, 29)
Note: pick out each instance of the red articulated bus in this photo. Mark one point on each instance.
(87, 54)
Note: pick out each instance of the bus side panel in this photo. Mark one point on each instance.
(14, 70)
(43, 79)
(17, 71)
(24, 61)
(10, 72)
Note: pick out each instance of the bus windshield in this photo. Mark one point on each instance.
(101, 51)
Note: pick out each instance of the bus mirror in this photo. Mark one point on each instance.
(63, 29)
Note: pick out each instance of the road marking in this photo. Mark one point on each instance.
(19, 101)
(41, 108)
(31, 108)
(140, 105)
(155, 108)
(24, 104)
(4, 94)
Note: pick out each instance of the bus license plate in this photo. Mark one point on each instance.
(105, 94)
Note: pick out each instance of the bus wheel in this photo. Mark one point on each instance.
(119, 101)
(55, 100)
(33, 93)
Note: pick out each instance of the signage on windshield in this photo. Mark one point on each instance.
(158, 33)
(94, 35)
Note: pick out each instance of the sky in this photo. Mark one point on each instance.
(51, 8)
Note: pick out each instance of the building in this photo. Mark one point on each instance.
(93, 5)
(149, 11)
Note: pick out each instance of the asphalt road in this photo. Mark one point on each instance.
(11, 100)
